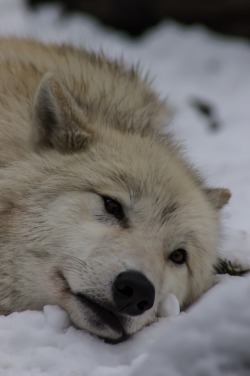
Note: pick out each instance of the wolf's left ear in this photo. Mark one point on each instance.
(59, 122)
(218, 196)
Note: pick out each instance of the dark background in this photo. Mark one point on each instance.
(135, 16)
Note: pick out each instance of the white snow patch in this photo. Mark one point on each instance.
(169, 306)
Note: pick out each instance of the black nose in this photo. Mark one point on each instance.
(133, 293)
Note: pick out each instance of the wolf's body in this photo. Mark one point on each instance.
(75, 130)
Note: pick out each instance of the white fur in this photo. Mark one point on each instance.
(75, 127)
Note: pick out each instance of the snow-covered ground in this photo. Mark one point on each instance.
(213, 338)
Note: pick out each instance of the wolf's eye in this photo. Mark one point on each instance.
(114, 208)
(179, 256)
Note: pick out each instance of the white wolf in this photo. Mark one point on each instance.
(99, 212)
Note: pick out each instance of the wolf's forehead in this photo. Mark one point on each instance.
(145, 186)
(149, 171)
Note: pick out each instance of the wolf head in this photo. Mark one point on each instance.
(102, 222)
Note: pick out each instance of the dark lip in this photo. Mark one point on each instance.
(106, 316)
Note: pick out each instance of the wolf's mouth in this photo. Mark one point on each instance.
(105, 316)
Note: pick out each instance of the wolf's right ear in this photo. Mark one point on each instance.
(219, 197)
(59, 122)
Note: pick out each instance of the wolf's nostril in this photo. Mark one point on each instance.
(142, 306)
(125, 290)
(133, 293)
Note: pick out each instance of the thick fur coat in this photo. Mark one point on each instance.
(92, 190)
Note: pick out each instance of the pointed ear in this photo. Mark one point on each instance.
(218, 196)
(59, 123)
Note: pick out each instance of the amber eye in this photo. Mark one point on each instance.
(114, 208)
(179, 256)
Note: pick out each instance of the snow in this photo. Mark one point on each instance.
(213, 337)
(170, 306)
